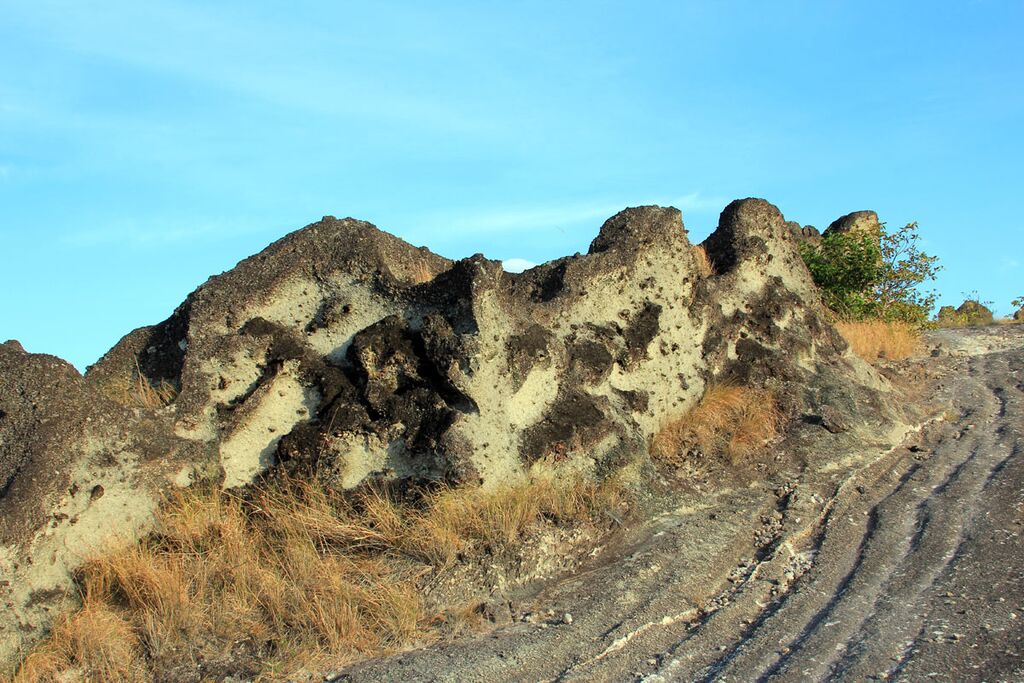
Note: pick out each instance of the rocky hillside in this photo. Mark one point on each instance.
(343, 350)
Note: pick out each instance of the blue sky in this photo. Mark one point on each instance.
(145, 146)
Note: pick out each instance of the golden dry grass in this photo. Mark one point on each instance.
(875, 339)
(139, 392)
(93, 643)
(152, 396)
(291, 575)
(704, 266)
(148, 395)
(729, 420)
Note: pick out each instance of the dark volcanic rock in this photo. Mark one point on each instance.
(343, 350)
(43, 407)
(806, 233)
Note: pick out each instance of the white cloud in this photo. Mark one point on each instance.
(517, 265)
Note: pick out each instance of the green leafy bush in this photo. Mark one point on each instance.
(865, 275)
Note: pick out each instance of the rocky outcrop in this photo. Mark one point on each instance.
(804, 233)
(342, 350)
(946, 316)
(864, 222)
(1019, 314)
(974, 312)
(78, 472)
(971, 313)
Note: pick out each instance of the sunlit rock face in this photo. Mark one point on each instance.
(342, 350)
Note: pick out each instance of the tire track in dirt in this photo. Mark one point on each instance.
(866, 622)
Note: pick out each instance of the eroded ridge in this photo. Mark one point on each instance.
(344, 351)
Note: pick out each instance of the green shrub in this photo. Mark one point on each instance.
(873, 276)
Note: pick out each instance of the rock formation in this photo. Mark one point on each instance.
(805, 233)
(971, 313)
(343, 350)
(856, 222)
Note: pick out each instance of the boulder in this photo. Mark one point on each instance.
(974, 313)
(805, 233)
(864, 222)
(1019, 315)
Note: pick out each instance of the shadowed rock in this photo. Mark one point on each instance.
(79, 472)
(806, 233)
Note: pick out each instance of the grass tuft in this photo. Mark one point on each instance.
(153, 396)
(876, 339)
(729, 420)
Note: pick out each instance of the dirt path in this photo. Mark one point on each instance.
(900, 563)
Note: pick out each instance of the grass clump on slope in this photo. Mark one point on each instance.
(878, 339)
(728, 420)
(290, 575)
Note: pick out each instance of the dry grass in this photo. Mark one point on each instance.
(94, 643)
(704, 266)
(875, 339)
(139, 392)
(289, 576)
(729, 420)
(151, 396)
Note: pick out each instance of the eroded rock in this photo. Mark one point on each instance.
(864, 222)
(79, 472)
(343, 350)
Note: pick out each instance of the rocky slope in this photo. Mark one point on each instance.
(342, 349)
(859, 556)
